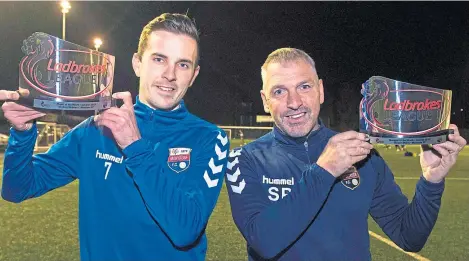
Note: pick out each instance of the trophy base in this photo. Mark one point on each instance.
(69, 113)
(431, 138)
(51, 105)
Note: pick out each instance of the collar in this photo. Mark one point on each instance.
(146, 113)
(313, 136)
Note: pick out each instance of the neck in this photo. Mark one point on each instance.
(177, 106)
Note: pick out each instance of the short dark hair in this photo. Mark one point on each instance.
(173, 23)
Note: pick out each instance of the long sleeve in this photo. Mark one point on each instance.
(180, 203)
(26, 176)
(407, 225)
(256, 216)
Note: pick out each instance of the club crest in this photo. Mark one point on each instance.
(179, 159)
(350, 179)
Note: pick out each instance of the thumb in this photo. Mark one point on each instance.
(126, 97)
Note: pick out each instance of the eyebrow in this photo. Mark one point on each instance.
(166, 57)
(298, 84)
(277, 86)
(303, 82)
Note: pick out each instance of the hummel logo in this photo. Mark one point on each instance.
(105, 156)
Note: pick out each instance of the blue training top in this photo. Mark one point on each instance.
(150, 201)
(288, 207)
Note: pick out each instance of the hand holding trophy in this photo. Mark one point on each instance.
(399, 113)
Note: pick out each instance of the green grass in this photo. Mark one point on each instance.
(46, 228)
(449, 239)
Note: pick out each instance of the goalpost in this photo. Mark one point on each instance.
(241, 135)
(48, 133)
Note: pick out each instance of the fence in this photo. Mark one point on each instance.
(48, 133)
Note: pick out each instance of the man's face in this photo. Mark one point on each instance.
(166, 70)
(293, 94)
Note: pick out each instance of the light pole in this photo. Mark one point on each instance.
(65, 8)
(462, 119)
(97, 43)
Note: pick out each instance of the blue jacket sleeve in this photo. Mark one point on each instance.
(180, 203)
(255, 215)
(26, 176)
(407, 225)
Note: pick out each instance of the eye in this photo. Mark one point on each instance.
(158, 59)
(304, 87)
(278, 92)
(184, 65)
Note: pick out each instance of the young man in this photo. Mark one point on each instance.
(304, 192)
(150, 173)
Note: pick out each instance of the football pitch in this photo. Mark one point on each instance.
(46, 228)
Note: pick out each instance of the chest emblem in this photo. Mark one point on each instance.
(179, 159)
(350, 179)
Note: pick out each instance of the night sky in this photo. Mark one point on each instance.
(423, 43)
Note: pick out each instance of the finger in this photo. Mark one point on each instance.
(356, 159)
(16, 113)
(348, 135)
(126, 97)
(124, 111)
(449, 146)
(121, 115)
(23, 92)
(22, 116)
(24, 119)
(9, 95)
(107, 123)
(13, 106)
(15, 116)
(358, 151)
(107, 117)
(455, 128)
(458, 140)
(118, 120)
(357, 143)
(438, 148)
(115, 111)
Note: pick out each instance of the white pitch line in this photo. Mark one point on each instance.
(390, 243)
(416, 178)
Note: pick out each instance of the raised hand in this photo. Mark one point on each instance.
(343, 150)
(19, 116)
(436, 161)
(121, 121)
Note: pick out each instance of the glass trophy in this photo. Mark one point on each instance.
(64, 78)
(400, 113)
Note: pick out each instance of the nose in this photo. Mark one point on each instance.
(170, 73)
(294, 100)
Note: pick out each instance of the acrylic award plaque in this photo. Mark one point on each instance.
(65, 77)
(400, 113)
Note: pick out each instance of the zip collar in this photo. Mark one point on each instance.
(312, 137)
(144, 112)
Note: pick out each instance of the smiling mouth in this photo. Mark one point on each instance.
(166, 89)
(296, 116)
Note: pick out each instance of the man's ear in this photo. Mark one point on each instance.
(321, 92)
(264, 102)
(136, 62)
(196, 72)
